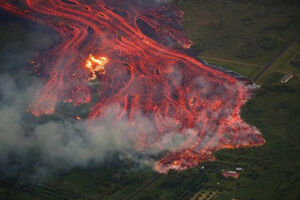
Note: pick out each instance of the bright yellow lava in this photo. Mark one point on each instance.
(96, 64)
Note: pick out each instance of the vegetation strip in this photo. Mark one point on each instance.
(270, 63)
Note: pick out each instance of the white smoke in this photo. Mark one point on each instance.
(59, 145)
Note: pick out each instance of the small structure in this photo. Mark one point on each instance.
(239, 169)
(287, 77)
(232, 174)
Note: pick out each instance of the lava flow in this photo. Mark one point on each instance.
(136, 50)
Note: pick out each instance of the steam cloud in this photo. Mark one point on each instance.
(55, 146)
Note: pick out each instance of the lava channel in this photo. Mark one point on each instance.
(137, 51)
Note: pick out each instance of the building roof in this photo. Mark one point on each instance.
(286, 77)
(231, 174)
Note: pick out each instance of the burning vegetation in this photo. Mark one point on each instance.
(137, 51)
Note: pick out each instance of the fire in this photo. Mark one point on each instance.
(96, 64)
(78, 117)
(153, 76)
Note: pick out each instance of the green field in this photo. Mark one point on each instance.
(249, 31)
(238, 35)
(283, 64)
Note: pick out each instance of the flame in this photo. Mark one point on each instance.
(96, 64)
(78, 117)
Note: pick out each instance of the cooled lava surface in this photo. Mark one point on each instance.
(137, 51)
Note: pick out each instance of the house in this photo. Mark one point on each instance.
(287, 77)
(232, 174)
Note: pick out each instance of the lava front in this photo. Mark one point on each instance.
(137, 51)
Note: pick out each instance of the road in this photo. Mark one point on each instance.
(143, 187)
(272, 61)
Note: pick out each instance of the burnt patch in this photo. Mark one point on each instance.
(89, 36)
(120, 13)
(146, 29)
(69, 2)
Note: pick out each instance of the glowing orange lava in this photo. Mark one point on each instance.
(96, 65)
(148, 74)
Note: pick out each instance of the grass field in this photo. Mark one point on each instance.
(246, 69)
(283, 64)
(205, 195)
(250, 31)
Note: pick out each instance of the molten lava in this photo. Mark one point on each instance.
(147, 73)
(96, 65)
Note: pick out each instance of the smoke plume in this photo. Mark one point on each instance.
(59, 145)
